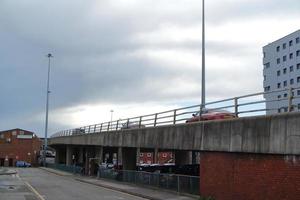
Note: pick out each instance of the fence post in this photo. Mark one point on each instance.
(100, 128)
(89, 129)
(108, 126)
(174, 117)
(236, 107)
(117, 125)
(140, 122)
(155, 119)
(95, 128)
(290, 99)
(127, 123)
(178, 186)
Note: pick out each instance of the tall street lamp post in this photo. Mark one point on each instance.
(47, 108)
(203, 57)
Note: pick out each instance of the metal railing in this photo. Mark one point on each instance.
(71, 169)
(175, 182)
(247, 105)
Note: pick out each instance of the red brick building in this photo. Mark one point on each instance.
(18, 144)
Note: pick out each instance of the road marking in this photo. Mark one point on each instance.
(34, 191)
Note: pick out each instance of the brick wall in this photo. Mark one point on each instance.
(19, 149)
(230, 176)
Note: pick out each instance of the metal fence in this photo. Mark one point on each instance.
(247, 105)
(175, 182)
(71, 169)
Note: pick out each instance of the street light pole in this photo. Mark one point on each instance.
(203, 57)
(47, 108)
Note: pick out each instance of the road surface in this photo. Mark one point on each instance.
(37, 184)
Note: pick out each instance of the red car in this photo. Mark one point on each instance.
(211, 114)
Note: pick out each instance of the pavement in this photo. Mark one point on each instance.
(143, 192)
(13, 188)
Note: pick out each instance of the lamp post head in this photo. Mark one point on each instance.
(49, 55)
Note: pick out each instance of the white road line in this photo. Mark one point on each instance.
(34, 191)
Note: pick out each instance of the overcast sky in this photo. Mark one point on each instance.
(133, 56)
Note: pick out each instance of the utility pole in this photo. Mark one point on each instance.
(47, 108)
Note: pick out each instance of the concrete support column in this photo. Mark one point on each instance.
(80, 155)
(99, 154)
(138, 155)
(155, 156)
(129, 158)
(120, 152)
(57, 152)
(69, 155)
(182, 157)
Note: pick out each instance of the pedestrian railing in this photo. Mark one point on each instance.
(242, 106)
(175, 182)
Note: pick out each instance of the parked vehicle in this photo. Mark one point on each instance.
(132, 125)
(211, 114)
(20, 163)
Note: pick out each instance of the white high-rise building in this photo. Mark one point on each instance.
(282, 71)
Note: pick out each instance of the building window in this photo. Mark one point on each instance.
(297, 40)
(279, 96)
(284, 46)
(267, 88)
(291, 68)
(292, 81)
(298, 66)
(298, 79)
(284, 83)
(278, 85)
(298, 106)
(285, 95)
(284, 58)
(278, 48)
(284, 71)
(278, 60)
(278, 73)
(267, 65)
(141, 155)
(291, 43)
(298, 92)
(265, 78)
(279, 110)
(298, 53)
(285, 109)
(21, 132)
(149, 155)
(291, 55)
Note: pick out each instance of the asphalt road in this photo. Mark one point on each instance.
(37, 184)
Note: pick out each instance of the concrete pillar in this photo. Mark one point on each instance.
(69, 155)
(99, 155)
(138, 155)
(155, 156)
(57, 152)
(182, 157)
(120, 153)
(129, 158)
(80, 156)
